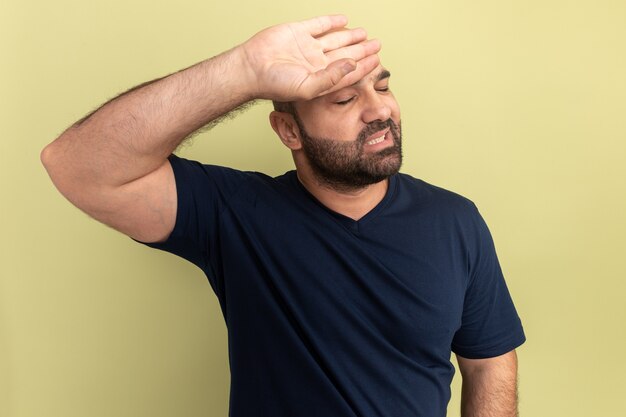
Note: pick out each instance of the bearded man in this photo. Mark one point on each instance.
(345, 285)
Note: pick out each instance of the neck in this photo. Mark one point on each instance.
(350, 202)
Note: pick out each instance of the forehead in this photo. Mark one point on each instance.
(377, 74)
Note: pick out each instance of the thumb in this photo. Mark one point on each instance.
(325, 79)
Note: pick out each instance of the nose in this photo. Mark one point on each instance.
(376, 108)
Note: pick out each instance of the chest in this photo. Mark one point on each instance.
(390, 281)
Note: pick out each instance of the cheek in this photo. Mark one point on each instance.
(343, 130)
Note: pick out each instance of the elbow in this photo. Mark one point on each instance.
(47, 156)
(58, 169)
(71, 175)
(63, 176)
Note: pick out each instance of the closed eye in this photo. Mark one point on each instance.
(344, 102)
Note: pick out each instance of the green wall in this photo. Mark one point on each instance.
(518, 105)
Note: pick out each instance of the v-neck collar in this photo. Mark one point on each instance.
(351, 224)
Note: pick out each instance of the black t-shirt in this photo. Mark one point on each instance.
(332, 317)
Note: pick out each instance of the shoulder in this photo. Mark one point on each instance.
(195, 174)
(428, 196)
(197, 182)
(448, 211)
(198, 170)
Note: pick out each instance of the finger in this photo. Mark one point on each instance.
(356, 52)
(342, 38)
(363, 67)
(323, 24)
(327, 78)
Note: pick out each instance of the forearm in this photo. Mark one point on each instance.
(130, 136)
(113, 163)
(133, 134)
(490, 387)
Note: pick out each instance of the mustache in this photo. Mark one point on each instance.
(376, 126)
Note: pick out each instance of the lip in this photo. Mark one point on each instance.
(387, 141)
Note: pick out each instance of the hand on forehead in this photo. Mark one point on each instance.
(368, 80)
(353, 44)
(308, 59)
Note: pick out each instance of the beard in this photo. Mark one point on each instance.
(345, 165)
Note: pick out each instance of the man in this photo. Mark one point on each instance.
(344, 285)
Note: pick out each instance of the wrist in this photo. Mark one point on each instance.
(241, 69)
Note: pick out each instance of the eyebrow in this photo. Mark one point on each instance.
(381, 76)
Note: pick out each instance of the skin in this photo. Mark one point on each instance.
(489, 386)
(113, 163)
(342, 115)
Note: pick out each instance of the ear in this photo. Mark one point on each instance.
(286, 128)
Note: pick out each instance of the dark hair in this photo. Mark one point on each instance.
(284, 107)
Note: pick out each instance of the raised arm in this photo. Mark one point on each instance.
(113, 164)
(489, 386)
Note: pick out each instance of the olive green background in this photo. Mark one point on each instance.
(518, 105)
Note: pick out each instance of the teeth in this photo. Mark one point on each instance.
(376, 140)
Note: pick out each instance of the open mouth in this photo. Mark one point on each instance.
(382, 139)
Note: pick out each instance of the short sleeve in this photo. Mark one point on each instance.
(490, 324)
(202, 192)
